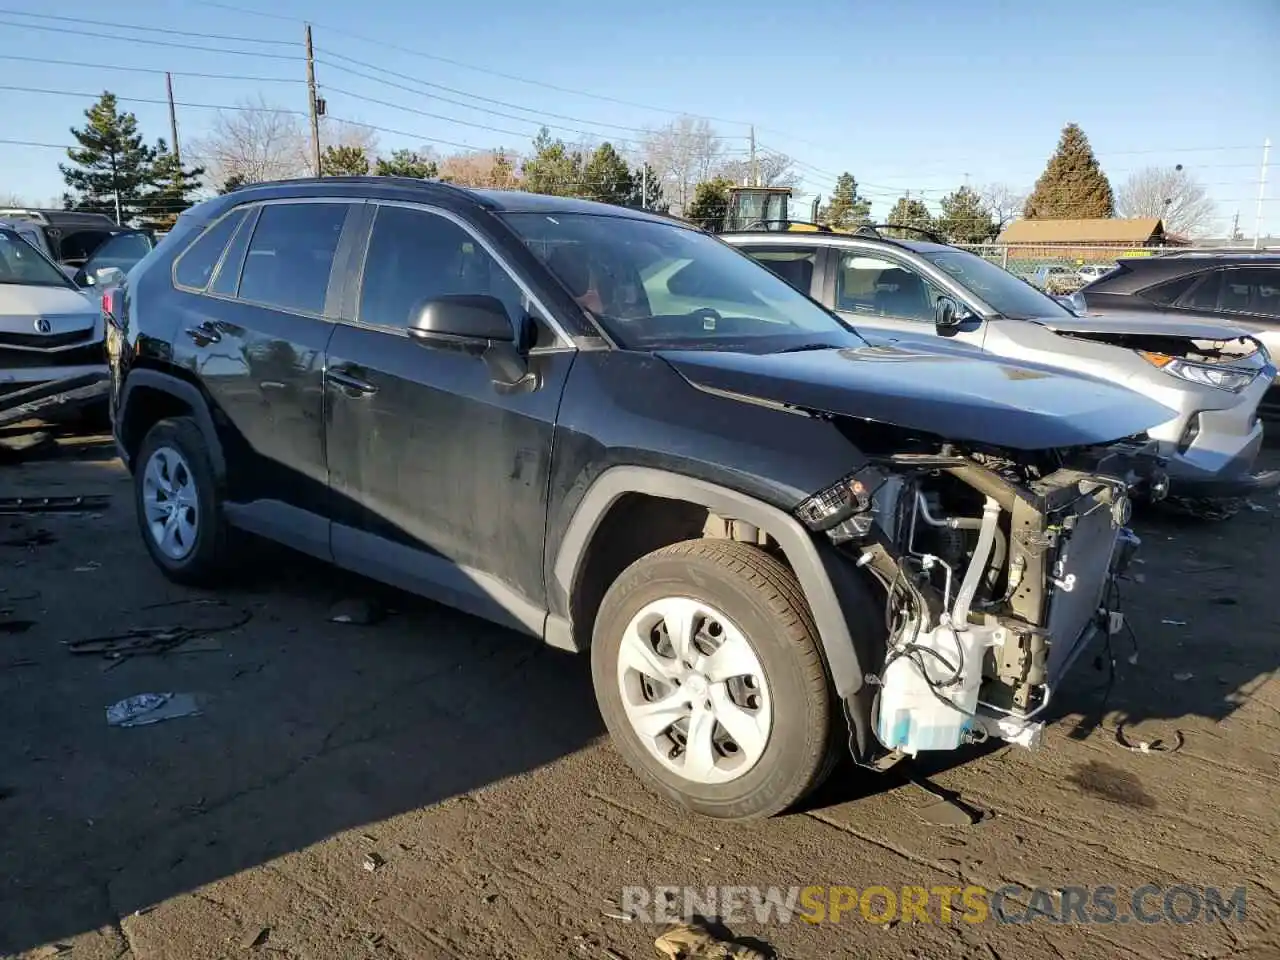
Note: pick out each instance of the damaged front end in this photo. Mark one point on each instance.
(998, 568)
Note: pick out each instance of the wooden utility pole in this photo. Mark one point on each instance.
(173, 122)
(311, 96)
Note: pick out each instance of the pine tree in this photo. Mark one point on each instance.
(553, 169)
(173, 188)
(607, 177)
(502, 176)
(1073, 184)
(846, 209)
(112, 168)
(710, 204)
(965, 218)
(345, 160)
(909, 213)
(406, 163)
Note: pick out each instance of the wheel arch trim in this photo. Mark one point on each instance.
(825, 583)
(186, 392)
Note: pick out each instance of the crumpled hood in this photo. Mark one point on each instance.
(957, 395)
(1143, 324)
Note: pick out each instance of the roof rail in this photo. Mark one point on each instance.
(927, 234)
(756, 225)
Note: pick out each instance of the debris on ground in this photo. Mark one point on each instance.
(373, 863)
(88, 567)
(16, 626)
(36, 538)
(257, 940)
(157, 641)
(358, 611)
(690, 941)
(144, 709)
(1182, 677)
(26, 444)
(73, 504)
(1174, 623)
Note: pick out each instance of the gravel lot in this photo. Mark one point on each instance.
(470, 762)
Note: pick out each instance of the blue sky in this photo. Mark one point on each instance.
(908, 95)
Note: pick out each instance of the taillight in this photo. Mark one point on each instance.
(112, 302)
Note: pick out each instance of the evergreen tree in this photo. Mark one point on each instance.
(909, 213)
(965, 218)
(502, 176)
(111, 168)
(607, 177)
(646, 193)
(345, 160)
(173, 188)
(233, 182)
(553, 168)
(710, 204)
(1073, 184)
(406, 163)
(846, 209)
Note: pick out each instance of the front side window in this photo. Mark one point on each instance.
(195, 265)
(415, 256)
(1254, 290)
(23, 265)
(291, 255)
(883, 288)
(653, 284)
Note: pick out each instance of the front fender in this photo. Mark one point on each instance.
(834, 592)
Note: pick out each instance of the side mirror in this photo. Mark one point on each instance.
(468, 322)
(106, 277)
(947, 314)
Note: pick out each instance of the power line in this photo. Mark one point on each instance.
(115, 25)
(151, 70)
(247, 108)
(154, 43)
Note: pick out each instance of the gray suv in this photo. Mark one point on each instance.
(1211, 376)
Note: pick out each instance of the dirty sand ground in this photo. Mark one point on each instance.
(471, 761)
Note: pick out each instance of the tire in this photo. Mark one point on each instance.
(207, 554)
(748, 596)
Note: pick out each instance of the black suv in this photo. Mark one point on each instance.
(611, 430)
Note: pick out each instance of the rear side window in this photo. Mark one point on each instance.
(1166, 293)
(196, 264)
(1205, 296)
(228, 278)
(792, 264)
(291, 255)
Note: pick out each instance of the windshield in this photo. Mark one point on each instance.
(654, 285)
(21, 264)
(1009, 295)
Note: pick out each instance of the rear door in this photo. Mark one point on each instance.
(438, 475)
(255, 336)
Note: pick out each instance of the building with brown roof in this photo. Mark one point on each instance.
(1112, 232)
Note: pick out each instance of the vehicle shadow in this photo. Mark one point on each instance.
(307, 728)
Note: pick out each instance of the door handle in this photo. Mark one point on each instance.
(204, 333)
(352, 385)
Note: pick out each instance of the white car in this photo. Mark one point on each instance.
(52, 351)
(1092, 271)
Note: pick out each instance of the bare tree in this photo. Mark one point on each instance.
(254, 143)
(774, 170)
(1169, 194)
(348, 133)
(11, 200)
(684, 154)
(1004, 203)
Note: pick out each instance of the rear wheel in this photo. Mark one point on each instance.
(179, 510)
(709, 676)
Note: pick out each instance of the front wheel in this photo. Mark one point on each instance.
(709, 676)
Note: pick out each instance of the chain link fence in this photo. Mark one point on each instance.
(1056, 267)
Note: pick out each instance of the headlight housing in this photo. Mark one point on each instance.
(1204, 374)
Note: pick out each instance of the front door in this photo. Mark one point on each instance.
(438, 475)
(887, 298)
(256, 337)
